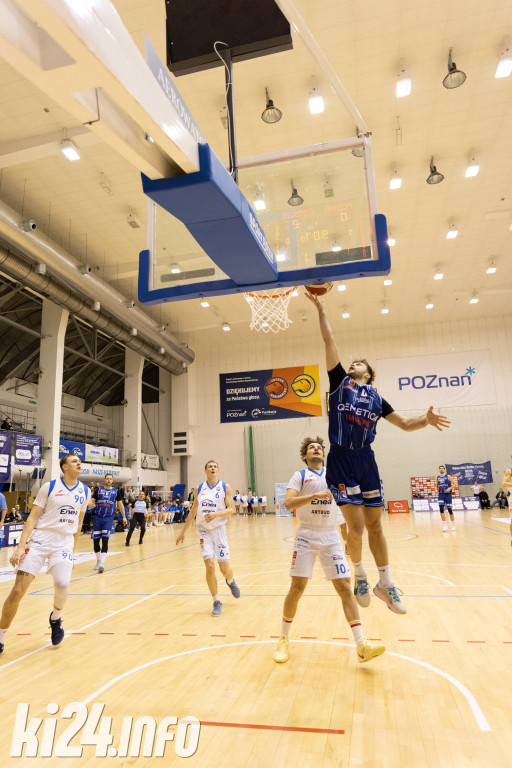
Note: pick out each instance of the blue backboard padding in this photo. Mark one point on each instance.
(219, 218)
(331, 273)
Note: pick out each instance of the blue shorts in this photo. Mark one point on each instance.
(445, 498)
(102, 527)
(353, 477)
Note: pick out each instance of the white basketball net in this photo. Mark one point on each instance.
(269, 310)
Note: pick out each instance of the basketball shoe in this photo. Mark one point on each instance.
(366, 651)
(57, 631)
(281, 654)
(391, 597)
(362, 592)
(217, 608)
(235, 589)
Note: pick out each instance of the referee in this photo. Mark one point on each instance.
(139, 516)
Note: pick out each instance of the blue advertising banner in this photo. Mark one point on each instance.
(469, 473)
(5, 456)
(27, 449)
(279, 393)
(68, 446)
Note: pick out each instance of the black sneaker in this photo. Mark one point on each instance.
(1, 647)
(57, 631)
(127, 543)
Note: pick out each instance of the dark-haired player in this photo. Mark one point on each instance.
(444, 496)
(352, 474)
(50, 534)
(107, 499)
(318, 535)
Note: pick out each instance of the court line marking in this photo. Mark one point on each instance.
(274, 727)
(86, 626)
(505, 588)
(473, 704)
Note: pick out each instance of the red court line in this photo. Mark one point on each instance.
(375, 638)
(134, 633)
(475, 641)
(247, 635)
(79, 633)
(440, 641)
(24, 633)
(217, 635)
(106, 633)
(273, 727)
(274, 637)
(162, 634)
(185, 635)
(405, 640)
(308, 638)
(507, 642)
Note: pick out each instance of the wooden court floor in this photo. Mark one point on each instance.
(142, 642)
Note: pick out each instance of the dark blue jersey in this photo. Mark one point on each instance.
(106, 501)
(354, 410)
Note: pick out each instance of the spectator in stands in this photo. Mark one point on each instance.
(13, 516)
(484, 498)
(6, 424)
(500, 500)
(476, 488)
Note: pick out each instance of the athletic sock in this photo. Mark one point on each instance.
(55, 614)
(285, 626)
(357, 631)
(359, 570)
(385, 578)
(102, 557)
(215, 598)
(2, 635)
(230, 581)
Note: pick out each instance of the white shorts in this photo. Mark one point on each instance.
(47, 545)
(327, 545)
(214, 543)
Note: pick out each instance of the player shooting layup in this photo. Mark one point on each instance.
(352, 473)
(213, 504)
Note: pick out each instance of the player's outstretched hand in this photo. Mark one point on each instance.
(436, 420)
(314, 298)
(180, 539)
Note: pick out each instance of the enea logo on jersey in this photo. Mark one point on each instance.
(68, 511)
(276, 387)
(303, 385)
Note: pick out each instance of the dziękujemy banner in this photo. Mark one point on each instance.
(279, 393)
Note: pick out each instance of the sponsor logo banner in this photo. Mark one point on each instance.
(101, 454)
(463, 503)
(469, 473)
(279, 393)
(451, 380)
(68, 446)
(398, 506)
(5, 456)
(27, 449)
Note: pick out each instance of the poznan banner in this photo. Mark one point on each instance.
(450, 380)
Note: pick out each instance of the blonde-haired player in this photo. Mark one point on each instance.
(318, 534)
(50, 534)
(213, 504)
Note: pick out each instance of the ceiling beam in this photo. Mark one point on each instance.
(25, 355)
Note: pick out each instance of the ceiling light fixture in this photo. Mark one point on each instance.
(316, 102)
(175, 269)
(491, 269)
(295, 198)
(70, 150)
(223, 114)
(204, 303)
(336, 248)
(162, 350)
(403, 84)
(384, 310)
(455, 77)
(132, 221)
(391, 241)
(270, 114)
(280, 256)
(429, 304)
(474, 298)
(342, 287)
(226, 327)
(96, 306)
(345, 315)
(388, 281)
(396, 181)
(294, 293)
(452, 232)
(472, 168)
(260, 204)
(438, 275)
(504, 68)
(435, 177)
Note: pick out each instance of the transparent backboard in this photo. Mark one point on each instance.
(332, 231)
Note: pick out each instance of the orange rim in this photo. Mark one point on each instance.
(273, 296)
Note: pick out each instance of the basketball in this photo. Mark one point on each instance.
(319, 289)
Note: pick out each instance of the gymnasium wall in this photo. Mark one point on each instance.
(477, 433)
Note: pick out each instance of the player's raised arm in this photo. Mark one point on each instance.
(412, 423)
(331, 350)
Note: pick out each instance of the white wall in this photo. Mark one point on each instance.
(477, 433)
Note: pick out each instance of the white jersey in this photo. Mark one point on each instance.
(319, 513)
(210, 500)
(263, 501)
(61, 506)
(244, 500)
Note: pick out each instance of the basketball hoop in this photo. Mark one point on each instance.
(269, 310)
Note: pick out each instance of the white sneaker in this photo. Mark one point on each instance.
(96, 566)
(445, 527)
(391, 597)
(281, 652)
(453, 526)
